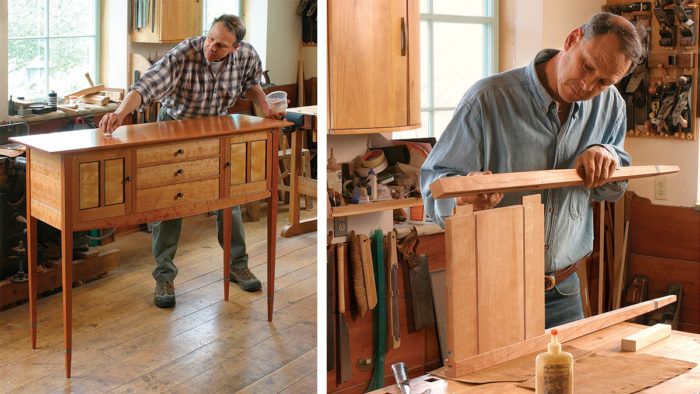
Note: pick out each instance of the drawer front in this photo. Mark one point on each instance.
(177, 151)
(176, 195)
(170, 174)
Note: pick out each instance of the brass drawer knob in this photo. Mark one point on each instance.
(128, 178)
(180, 195)
(180, 171)
(228, 164)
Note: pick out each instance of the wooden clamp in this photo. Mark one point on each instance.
(456, 186)
(567, 332)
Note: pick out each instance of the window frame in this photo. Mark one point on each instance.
(205, 26)
(491, 26)
(47, 37)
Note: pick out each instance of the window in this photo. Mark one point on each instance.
(459, 46)
(51, 45)
(215, 8)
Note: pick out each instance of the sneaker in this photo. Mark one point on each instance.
(245, 279)
(164, 296)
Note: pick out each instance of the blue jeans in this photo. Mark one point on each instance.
(166, 235)
(562, 304)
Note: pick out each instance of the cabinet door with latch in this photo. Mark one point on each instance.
(102, 184)
(248, 157)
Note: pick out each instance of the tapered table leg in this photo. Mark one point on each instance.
(31, 267)
(272, 226)
(228, 224)
(31, 250)
(67, 282)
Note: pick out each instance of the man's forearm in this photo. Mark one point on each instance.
(130, 103)
(256, 94)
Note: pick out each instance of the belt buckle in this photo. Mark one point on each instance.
(549, 282)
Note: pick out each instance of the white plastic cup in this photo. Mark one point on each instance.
(277, 101)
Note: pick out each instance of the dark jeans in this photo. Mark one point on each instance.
(167, 233)
(563, 303)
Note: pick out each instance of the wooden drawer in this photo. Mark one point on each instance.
(176, 195)
(177, 151)
(180, 172)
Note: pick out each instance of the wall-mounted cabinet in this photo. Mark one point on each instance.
(373, 66)
(165, 21)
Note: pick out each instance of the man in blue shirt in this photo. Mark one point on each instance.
(561, 111)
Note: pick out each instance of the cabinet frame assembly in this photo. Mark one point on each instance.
(495, 270)
(82, 180)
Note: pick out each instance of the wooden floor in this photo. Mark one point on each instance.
(122, 343)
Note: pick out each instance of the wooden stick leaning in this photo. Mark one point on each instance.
(567, 332)
(456, 186)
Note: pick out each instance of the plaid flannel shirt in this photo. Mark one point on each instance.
(183, 81)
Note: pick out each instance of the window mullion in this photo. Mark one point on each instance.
(46, 44)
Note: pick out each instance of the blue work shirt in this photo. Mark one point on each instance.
(508, 123)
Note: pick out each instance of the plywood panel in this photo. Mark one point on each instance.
(258, 159)
(661, 272)
(664, 231)
(114, 181)
(89, 185)
(238, 163)
(500, 281)
(533, 265)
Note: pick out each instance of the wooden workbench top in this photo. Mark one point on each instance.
(148, 133)
(680, 346)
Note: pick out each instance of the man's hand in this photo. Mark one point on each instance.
(110, 122)
(595, 165)
(481, 201)
(270, 114)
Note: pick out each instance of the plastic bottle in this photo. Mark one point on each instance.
(372, 185)
(53, 100)
(554, 369)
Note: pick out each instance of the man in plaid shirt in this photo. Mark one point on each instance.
(201, 76)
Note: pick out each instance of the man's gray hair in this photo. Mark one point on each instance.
(233, 24)
(632, 38)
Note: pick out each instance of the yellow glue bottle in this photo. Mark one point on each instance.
(555, 369)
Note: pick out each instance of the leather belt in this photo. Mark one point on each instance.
(550, 280)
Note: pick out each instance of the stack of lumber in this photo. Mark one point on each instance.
(98, 95)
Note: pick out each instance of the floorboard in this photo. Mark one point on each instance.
(122, 343)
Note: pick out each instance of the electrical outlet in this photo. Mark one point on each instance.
(660, 189)
(340, 226)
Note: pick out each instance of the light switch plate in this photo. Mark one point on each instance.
(340, 226)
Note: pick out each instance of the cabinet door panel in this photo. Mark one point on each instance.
(368, 71)
(89, 185)
(180, 19)
(103, 181)
(258, 159)
(114, 181)
(238, 163)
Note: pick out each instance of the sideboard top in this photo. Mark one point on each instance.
(148, 133)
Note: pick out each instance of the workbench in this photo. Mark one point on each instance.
(299, 184)
(81, 180)
(680, 345)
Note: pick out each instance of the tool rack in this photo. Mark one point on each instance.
(661, 93)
